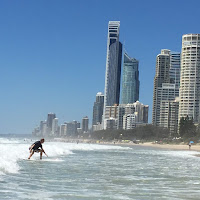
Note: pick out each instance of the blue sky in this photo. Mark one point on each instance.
(53, 53)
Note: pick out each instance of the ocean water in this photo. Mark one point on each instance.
(96, 172)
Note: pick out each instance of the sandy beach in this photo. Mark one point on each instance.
(172, 146)
(194, 147)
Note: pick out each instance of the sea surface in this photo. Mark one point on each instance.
(96, 172)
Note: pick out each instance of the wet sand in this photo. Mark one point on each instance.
(173, 146)
(194, 147)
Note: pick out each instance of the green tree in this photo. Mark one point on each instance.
(187, 129)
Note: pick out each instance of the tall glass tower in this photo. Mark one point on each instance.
(50, 118)
(113, 65)
(98, 109)
(190, 78)
(130, 83)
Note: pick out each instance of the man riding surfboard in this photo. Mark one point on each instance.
(37, 147)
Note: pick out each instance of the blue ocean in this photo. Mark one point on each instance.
(96, 172)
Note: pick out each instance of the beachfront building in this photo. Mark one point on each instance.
(190, 78)
(36, 131)
(98, 109)
(130, 82)
(168, 92)
(63, 130)
(136, 113)
(113, 65)
(162, 76)
(141, 112)
(166, 81)
(85, 124)
(121, 113)
(111, 112)
(129, 121)
(124, 111)
(54, 131)
(44, 128)
(50, 118)
(175, 67)
(97, 127)
(111, 116)
(72, 128)
(173, 118)
(111, 124)
(169, 115)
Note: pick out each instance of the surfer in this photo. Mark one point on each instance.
(37, 147)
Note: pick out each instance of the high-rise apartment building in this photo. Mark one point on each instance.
(130, 82)
(72, 128)
(50, 118)
(111, 117)
(129, 121)
(85, 124)
(162, 76)
(44, 129)
(136, 113)
(190, 78)
(121, 113)
(54, 127)
(63, 130)
(175, 66)
(169, 115)
(98, 109)
(166, 81)
(113, 65)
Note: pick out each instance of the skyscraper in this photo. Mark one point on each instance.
(63, 130)
(50, 118)
(162, 76)
(166, 81)
(98, 109)
(54, 127)
(190, 77)
(130, 83)
(175, 66)
(113, 65)
(72, 128)
(85, 124)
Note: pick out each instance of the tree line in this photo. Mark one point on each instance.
(144, 133)
(187, 131)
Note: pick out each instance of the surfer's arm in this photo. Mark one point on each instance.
(32, 147)
(44, 152)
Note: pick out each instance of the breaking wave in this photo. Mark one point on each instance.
(13, 151)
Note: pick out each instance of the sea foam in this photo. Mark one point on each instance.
(13, 151)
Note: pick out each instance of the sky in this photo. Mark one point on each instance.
(53, 53)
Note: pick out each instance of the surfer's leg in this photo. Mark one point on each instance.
(41, 154)
(31, 154)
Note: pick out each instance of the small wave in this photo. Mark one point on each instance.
(13, 151)
(8, 141)
(53, 160)
(87, 147)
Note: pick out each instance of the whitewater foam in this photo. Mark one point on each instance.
(13, 151)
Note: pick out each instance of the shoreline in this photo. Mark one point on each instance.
(184, 147)
(172, 146)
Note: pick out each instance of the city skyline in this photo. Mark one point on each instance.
(48, 65)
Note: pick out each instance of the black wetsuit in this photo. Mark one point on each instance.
(37, 146)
